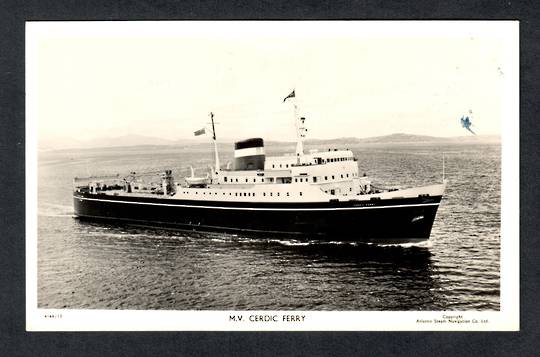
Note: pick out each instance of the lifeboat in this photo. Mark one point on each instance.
(193, 181)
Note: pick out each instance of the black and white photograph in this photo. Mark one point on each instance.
(283, 175)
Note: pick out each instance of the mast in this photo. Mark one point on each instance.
(299, 141)
(300, 128)
(215, 143)
(300, 133)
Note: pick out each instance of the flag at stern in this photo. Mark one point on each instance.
(200, 132)
(289, 96)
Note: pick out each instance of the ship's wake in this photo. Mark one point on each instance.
(320, 243)
(133, 230)
(55, 210)
(423, 244)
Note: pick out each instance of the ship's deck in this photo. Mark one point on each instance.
(256, 193)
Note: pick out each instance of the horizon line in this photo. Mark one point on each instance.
(198, 141)
(270, 139)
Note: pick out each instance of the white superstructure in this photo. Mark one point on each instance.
(318, 176)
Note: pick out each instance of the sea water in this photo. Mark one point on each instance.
(84, 265)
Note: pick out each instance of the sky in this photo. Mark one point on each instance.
(98, 80)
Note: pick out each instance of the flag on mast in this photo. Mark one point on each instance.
(200, 132)
(289, 96)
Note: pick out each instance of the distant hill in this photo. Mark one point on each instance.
(119, 141)
(128, 140)
(392, 138)
(141, 140)
(401, 138)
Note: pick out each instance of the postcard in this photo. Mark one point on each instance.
(272, 176)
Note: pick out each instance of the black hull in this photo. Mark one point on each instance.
(384, 221)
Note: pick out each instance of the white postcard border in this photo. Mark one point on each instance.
(507, 319)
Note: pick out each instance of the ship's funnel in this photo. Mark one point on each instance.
(249, 155)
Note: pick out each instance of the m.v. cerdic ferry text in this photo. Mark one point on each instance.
(318, 195)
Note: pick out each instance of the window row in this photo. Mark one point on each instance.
(241, 194)
(288, 179)
(226, 179)
(317, 160)
(336, 159)
(333, 177)
(281, 166)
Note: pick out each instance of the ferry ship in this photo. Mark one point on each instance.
(318, 195)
